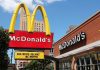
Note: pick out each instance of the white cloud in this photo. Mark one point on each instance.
(39, 1)
(52, 1)
(10, 5)
(46, 1)
(29, 3)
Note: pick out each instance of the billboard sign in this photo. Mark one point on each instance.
(29, 38)
(29, 55)
(24, 39)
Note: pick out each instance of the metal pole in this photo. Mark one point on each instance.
(11, 55)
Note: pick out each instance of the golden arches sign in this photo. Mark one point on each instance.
(30, 20)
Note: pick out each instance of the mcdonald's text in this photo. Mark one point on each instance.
(35, 40)
(23, 38)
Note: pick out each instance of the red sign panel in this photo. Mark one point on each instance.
(24, 39)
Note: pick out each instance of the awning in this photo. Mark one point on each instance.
(81, 49)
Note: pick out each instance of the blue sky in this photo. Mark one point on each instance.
(61, 13)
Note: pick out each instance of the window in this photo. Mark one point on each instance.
(89, 62)
(51, 51)
(65, 65)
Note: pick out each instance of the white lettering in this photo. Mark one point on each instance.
(76, 39)
(37, 39)
(18, 38)
(48, 40)
(28, 39)
(23, 38)
(43, 40)
(32, 39)
(12, 38)
(83, 36)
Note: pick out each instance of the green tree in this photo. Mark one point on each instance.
(32, 65)
(4, 40)
(38, 65)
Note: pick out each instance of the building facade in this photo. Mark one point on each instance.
(80, 48)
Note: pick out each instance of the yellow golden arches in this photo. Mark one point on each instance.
(13, 20)
(44, 15)
(30, 21)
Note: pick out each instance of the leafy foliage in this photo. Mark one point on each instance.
(4, 40)
(39, 65)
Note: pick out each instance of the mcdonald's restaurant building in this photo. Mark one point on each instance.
(80, 48)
